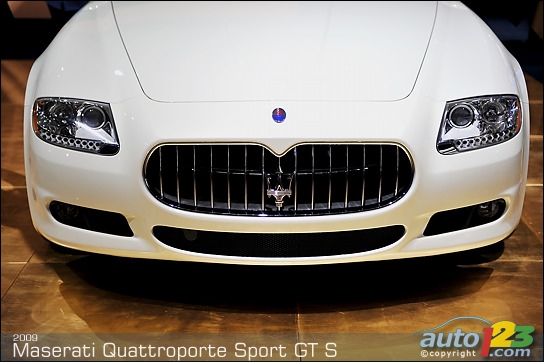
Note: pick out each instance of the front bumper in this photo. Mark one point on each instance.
(115, 183)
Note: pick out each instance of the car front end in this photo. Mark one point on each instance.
(262, 143)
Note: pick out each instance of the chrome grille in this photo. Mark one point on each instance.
(309, 179)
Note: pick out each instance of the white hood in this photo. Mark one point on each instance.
(261, 51)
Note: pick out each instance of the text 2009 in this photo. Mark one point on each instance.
(25, 337)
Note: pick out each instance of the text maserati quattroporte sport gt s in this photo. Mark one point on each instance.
(276, 132)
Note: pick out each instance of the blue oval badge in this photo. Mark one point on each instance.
(278, 115)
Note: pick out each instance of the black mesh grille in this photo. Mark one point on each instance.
(310, 179)
(279, 245)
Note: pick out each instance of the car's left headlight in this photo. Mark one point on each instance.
(473, 123)
(76, 124)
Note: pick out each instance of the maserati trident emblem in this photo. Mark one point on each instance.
(278, 115)
(279, 191)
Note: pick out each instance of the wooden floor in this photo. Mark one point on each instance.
(355, 311)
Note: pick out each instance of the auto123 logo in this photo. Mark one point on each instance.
(500, 339)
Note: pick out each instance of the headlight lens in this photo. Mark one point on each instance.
(473, 123)
(77, 124)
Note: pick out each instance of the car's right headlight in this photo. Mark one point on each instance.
(473, 123)
(76, 124)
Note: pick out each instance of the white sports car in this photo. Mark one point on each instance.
(276, 132)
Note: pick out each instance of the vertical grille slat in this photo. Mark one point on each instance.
(313, 178)
(160, 174)
(347, 179)
(363, 200)
(178, 194)
(381, 176)
(330, 179)
(263, 191)
(397, 173)
(194, 176)
(245, 178)
(295, 198)
(248, 179)
(228, 179)
(211, 177)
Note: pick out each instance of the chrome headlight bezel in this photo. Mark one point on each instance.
(76, 124)
(473, 123)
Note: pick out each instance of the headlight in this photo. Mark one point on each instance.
(77, 124)
(473, 123)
